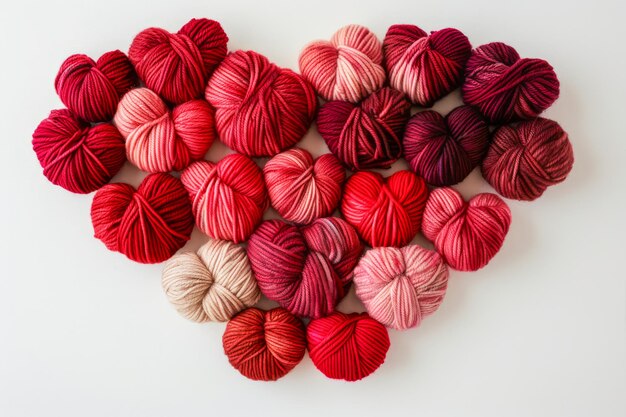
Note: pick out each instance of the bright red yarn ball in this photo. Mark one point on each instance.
(425, 67)
(307, 270)
(90, 89)
(264, 345)
(260, 108)
(75, 155)
(444, 150)
(177, 65)
(385, 211)
(228, 197)
(505, 87)
(368, 134)
(149, 224)
(347, 346)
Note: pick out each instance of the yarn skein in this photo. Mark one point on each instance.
(228, 197)
(348, 67)
(526, 158)
(260, 109)
(368, 134)
(466, 234)
(302, 189)
(212, 284)
(385, 211)
(160, 140)
(444, 150)
(347, 346)
(307, 269)
(149, 224)
(75, 155)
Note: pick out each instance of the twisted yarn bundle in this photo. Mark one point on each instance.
(212, 284)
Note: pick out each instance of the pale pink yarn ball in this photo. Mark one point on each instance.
(401, 286)
(348, 67)
(162, 140)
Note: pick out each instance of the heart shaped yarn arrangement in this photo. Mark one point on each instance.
(163, 106)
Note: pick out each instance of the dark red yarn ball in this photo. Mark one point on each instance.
(76, 156)
(177, 65)
(444, 150)
(347, 346)
(91, 89)
(149, 224)
(264, 345)
(368, 134)
(505, 87)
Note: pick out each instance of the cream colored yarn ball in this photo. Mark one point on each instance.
(213, 284)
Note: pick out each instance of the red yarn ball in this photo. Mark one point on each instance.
(228, 198)
(425, 67)
(505, 87)
(368, 134)
(385, 212)
(149, 224)
(444, 150)
(76, 156)
(347, 346)
(91, 90)
(526, 158)
(264, 345)
(307, 270)
(177, 65)
(260, 109)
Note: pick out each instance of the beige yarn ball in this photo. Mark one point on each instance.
(213, 284)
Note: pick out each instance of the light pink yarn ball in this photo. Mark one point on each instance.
(348, 67)
(401, 286)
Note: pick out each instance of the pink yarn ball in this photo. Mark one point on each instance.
(348, 68)
(302, 189)
(401, 286)
(159, 139)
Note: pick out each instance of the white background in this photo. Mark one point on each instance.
(539, 332)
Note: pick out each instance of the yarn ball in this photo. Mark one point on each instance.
(264, 345)
(505, 87)
(526, 158)
(385, 211)
(177, 65)
(347, 346)
(348, 67)
(260, 108)
(425, 67)
(90, 89)
(75, 155)
(306, 269)
(444, 150)
(149, 224)
(368, 134)
(213, 284)
(302, 189)
(228, 197)
(466, 234)
(401, 286)
(160, 140)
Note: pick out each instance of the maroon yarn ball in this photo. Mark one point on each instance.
(444, 150)
(526, 158)
(505, 87)
(368, 134)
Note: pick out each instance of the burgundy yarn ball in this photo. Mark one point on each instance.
(526, 158)
(177, 65)
(90, 89)
(367, 134)
(307, 269)
(444, 150)
(505, 87)
(76, 156)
